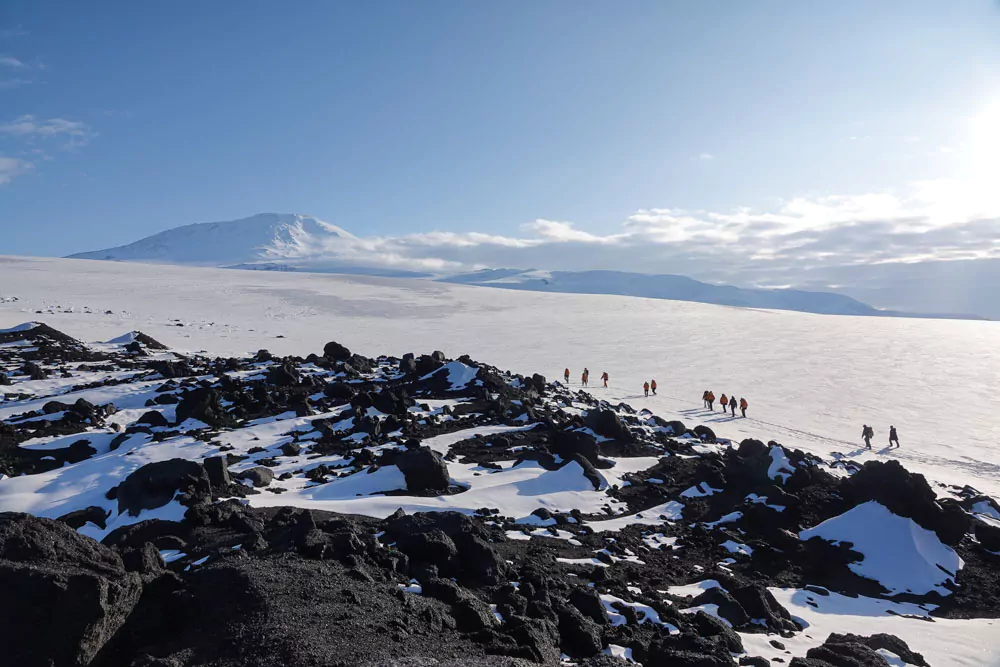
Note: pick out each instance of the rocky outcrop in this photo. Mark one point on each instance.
(64, 595)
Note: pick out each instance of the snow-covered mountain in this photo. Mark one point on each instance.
(665, 286)
(291, 242)
(257, 239)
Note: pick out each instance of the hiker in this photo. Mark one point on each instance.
(725, 402)
(711, 400)
(893, 438)
(604, 376)
(743, 406)
(652, 386)
(867, 432)
(732, 404)
(586, 374)
(704, 397)
(566, 375)
(645, 388)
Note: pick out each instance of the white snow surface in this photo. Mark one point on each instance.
(811, 380)
(943, 642)
(898, 553)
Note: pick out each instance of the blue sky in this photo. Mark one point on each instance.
(121, 119)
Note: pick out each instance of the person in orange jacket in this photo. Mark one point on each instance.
(704, 397)
(645, 388)
(743, 406)
(725, 402)
(604, 376)
(711, 400)
(652, 386)
(585, 377)
(566, 375)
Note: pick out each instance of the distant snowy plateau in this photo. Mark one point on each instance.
(291, 242)
(202, 467)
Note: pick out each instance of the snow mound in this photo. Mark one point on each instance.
(899, 554)
(26, 326)
(459, 375)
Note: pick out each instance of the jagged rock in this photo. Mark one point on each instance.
(759, 603)
(705, 433)
(339, 391)
(153, 419)
(424, 470)
(710, 626)
(78, 519)
(570, 443)
(881, 641)
(259, 476)
(285, 375)
(203, 404)
(589, 603)
(908, 495)
(291, 449)
(155, 484)
(729, 608)
(580, 636)
(64, 595)
(217, 469)
(608, 424)
(838, 651)
(336, 352)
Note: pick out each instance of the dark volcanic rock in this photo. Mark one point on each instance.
(64, 595)
(153, 418)
(605, 422)
(906, 494)
(217, 469)
(336, 352)
(155, 484)
(424, 470)
(80, 518)
(259, 476)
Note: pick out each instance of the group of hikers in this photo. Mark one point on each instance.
(867, 433)
(727, 402)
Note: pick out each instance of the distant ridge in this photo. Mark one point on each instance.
(294, 242)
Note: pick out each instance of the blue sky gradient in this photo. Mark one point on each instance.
(391, 118)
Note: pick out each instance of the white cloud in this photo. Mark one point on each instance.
(10, 61)
(28, 126)
(706, 156)
(802, 236)
(10, 167)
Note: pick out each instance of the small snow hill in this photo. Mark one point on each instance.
(666, 286)
(258, 238)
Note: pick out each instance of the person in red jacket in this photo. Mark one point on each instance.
(652, 386)
(566, 375)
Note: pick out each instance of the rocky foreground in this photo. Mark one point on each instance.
(605, 535)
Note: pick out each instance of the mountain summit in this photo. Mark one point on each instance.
(262, 237)
(292, 242)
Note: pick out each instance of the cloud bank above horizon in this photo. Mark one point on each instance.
(932, 221)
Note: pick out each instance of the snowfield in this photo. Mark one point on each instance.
(811, 380)
(441, 487)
